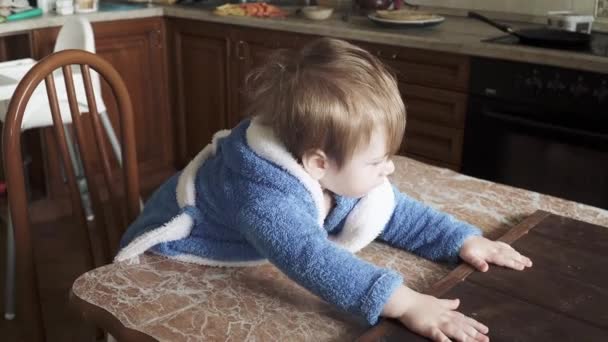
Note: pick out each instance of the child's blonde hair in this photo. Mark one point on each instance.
(329, 95)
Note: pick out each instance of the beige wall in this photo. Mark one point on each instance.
(531, 7)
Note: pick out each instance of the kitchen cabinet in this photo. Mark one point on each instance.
(253, 47)
(434, 88)
(136, 48)
(201, 83)
(212, 60)
(210, 63)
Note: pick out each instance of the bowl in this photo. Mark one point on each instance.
(317, 12)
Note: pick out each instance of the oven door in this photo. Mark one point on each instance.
(518, 145)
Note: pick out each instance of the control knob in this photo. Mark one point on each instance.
(579, 88)
(556, 83)
(534, 82)
(601, 93)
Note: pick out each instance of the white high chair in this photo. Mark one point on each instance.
(76, 33)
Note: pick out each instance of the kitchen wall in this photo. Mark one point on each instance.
(528, 7)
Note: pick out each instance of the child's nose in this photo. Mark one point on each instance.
(389, 168)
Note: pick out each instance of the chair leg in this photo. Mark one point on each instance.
(9, 283)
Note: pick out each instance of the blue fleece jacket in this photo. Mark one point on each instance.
(249, 209)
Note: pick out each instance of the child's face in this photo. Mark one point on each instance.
(366, 169)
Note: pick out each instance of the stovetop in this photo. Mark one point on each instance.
(597, 47)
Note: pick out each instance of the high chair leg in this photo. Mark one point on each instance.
(9, 280)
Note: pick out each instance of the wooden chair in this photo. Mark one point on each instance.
(101, 188)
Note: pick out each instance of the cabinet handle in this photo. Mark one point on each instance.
(394, 55)
(239, 50)
(156, 41)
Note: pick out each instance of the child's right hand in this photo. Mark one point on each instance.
(434, 318)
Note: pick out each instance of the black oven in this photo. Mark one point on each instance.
(540, 128)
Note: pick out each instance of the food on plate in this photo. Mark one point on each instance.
(404, 14)
(252, 9)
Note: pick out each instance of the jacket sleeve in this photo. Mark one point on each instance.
(294, 242)
(425, 231)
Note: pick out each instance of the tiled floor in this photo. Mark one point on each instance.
(60, 261)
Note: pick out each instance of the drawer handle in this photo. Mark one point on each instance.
(239, 50)
(394, 55)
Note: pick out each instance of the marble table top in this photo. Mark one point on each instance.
(174, 301)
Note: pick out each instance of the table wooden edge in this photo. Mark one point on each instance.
(103, 319)
(456, 275)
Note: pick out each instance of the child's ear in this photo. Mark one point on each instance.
(316, 163)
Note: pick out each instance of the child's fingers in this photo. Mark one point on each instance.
(482, 328)
(524, 261)
(438, 336)
(473, 329)
(510, 261)
(509, 250)
(475, 335)
(480, 264)
(463, 328)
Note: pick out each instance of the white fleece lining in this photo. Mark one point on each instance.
(363, 224)
(178, 228)
(367, 219)
(194, 259)
(262, 140)
(181, 225)
(186, 192)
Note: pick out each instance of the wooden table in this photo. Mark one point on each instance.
(563, 297)
(164, 300)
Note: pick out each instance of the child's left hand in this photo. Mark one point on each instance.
(479, 251)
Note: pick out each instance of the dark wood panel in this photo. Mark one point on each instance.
(549, 289)
(574, 232)
(443, 107)
(434, 142)
(15, 46)
(136, 49)
(252, 48)
(201, 95)
(561, 298)
(511, 319)
(423, 67)
(555, 256)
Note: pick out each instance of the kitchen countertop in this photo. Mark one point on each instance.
(456, 35)
(260, 303)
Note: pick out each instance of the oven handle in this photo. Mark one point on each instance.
(536, 124)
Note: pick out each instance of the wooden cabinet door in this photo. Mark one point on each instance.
(432, 85)
(136, 48)
(252, 49)
(200, 54)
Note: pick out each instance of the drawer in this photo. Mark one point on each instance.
(438, 106)
(434, 142)
(424, 67)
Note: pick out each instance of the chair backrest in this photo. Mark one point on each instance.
(127, 198)
(76, 33)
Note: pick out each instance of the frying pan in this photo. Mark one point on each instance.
(540, 36)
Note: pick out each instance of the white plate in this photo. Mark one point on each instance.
(403, 23)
